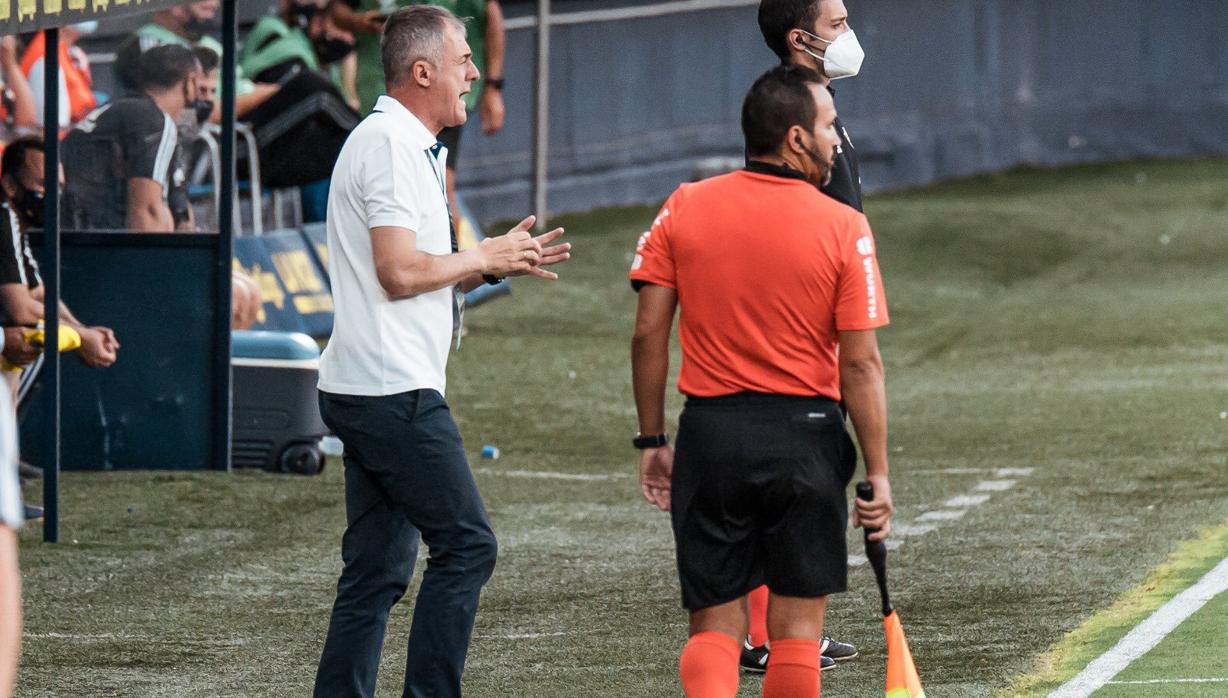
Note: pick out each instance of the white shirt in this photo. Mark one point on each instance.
(11, 508)
(386, 175)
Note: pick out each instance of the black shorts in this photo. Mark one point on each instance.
(451, 139)
(759, 497)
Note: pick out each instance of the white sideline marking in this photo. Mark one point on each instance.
(912, 529)
(957, 506)
(524, 636)
(547, 475)
(966, 500)
(1148, 682)
(1146, 635)
(944, 515)
(995, 485)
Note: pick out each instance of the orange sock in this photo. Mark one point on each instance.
(793, 670)
(709, 666)
(758, 616)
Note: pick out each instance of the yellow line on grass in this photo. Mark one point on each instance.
(1183, 567)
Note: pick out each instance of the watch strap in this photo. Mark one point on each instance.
(650, 441)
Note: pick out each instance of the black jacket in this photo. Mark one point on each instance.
(845, 185)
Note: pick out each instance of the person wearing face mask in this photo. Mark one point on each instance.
(187, 25)
(757, 488)
(21, 287)
(814, 34)
(122, 162)
(299, 48)
(299, 37)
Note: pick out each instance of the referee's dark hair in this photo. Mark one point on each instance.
(777, 17)
(163, 67)
(779, 100)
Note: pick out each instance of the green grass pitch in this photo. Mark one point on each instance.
(1069, 322)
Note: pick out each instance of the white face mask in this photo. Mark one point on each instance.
(843, 56)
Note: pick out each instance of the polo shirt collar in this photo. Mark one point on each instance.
(418, 132)
(767, 168)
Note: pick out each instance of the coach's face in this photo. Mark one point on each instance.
(456, 74)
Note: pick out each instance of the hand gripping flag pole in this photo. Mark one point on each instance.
(902, 678)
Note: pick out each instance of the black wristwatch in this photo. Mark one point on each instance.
(492, 279)
(495, 83)
(654, 441)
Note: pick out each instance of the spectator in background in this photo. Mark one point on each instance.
(299, 37)
(21, 287)
(10, 575)
(124, 166)
(121, 161)
(17, 110)
(185, 25)
(76, 81)
(483, 31)
(298, 48)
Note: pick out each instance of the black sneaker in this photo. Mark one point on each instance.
(33, 513)
(837, 651)
(28, 472)
(756, 658)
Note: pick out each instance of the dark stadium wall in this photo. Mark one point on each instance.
(949, 88)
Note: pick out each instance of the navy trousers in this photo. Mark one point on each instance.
(406, 476)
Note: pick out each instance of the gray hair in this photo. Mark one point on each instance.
(412, 34)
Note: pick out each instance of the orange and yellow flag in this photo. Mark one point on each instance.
(902, 678)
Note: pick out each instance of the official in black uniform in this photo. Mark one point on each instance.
(122, 162)
(814, 34)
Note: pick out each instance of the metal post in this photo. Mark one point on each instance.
(51, 285)
(541, 120)
(225, 246)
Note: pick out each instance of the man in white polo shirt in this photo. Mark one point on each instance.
(396, 278)
(10, 521)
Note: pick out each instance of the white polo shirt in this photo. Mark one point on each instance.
(11, 508)
(386, 175)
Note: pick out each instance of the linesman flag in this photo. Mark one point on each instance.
(902, 678)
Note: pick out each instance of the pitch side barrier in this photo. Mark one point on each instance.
(214, 385)
(155, 407)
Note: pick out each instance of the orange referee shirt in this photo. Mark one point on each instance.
(767, 269)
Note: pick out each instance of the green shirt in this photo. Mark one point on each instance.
(370, 63)
(272, 42)
(152, 35)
